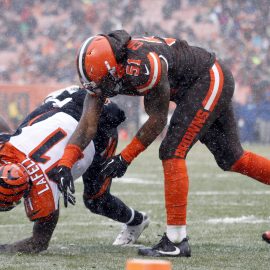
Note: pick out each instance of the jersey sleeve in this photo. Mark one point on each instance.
(148, 72)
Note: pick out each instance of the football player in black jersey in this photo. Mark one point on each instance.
(163, 70)
(19, 175)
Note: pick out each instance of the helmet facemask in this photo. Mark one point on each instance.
(97, 67)
(110, 85)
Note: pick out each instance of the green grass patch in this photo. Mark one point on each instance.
(227, 213)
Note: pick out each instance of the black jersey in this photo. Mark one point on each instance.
(142, 64)
(70, 101)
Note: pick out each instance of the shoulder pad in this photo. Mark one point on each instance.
(144, 74)
(55, 94)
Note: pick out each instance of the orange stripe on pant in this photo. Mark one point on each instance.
(209, 103)
(176, 190)
(254, 166)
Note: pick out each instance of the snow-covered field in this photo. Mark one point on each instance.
(226, 215)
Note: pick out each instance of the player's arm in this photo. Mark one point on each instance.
(156, 106)
(39, 241)
(87, 127)
(83, 134)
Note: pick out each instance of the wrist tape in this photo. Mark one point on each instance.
(133, 150)
(71, 155)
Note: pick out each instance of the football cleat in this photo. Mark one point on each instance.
(130, 234)
(266, 236)
(166, 248)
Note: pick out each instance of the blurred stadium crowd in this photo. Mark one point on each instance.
(40, 38)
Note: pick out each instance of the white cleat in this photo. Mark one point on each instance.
(130, 234)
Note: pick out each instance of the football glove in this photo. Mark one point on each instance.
(115, 167)
(65, 181)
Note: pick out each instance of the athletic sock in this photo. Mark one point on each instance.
(254, 166)
(136, 218)
(176, 190)
(176, 233)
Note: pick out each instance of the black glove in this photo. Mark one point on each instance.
(115, 167)
(65, 181)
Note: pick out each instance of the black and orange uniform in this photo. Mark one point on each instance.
(97, 196)
(202, 88)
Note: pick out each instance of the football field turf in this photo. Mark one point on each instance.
(227, 213)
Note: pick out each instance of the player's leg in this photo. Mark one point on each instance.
(176, 182)
(223, 141)
(196, 110)
(98, 199)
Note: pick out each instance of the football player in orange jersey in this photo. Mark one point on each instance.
(29, 156)
(163, 70)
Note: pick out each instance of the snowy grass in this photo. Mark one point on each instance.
(226, 215)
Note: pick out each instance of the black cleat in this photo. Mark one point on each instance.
(166, 248)
(266, 236)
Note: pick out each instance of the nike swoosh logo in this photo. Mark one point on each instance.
(147, 70)
(107, 165)
(175, 252)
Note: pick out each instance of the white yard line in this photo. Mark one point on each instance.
(222, 220)
(199, 193)
(238, 220)
(233, 193)
(131, 180)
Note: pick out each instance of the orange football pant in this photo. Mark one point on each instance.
(176, 190)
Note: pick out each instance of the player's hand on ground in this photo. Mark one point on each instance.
(65, 182)
(115, 167)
